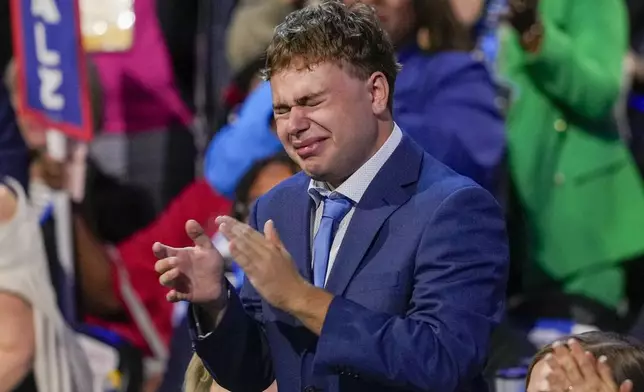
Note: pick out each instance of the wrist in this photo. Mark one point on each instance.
(221, 300)
(300, 300)
(212, 312)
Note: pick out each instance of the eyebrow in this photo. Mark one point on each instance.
(301, 101)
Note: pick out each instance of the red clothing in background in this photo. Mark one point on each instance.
(199, 202)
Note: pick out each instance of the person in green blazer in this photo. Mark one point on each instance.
(576, 181)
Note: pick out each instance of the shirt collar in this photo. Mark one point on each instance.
(356, 185)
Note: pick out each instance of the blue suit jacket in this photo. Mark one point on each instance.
(419, 285)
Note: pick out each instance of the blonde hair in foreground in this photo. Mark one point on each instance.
(197, 377)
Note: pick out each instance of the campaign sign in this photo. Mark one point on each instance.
(51, 65)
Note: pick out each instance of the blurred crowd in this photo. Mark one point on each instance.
(550, 121)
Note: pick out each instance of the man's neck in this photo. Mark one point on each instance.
(385, 129)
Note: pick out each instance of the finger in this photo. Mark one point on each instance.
(241, 233)
(585, 362)
(164, 265)
(174, 296)
(627, 386)
(568, 363)
(242, 254)
(605, 373)
(223, 220)
(198, 235)
(163, 251)
(169, 277)
(270, 232)
(556, 375)
(230, 227)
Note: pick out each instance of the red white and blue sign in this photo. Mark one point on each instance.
(51, 65)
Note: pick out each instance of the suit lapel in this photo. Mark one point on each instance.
(296, 232)
(389, 190)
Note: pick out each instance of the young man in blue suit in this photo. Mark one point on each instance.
(389, 270)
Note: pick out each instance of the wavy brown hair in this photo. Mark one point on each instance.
(350, 36)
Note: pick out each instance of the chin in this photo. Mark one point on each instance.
(314, 171)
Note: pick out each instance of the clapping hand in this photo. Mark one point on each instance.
(194, 274)
(573, 370)
(267, 265)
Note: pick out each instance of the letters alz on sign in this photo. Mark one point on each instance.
(52, 66)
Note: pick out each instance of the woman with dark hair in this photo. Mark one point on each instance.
(589, 362)
(579, 193)
(452, 91)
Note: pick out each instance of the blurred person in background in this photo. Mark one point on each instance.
(108, 213)
(251, 27)
(443, 91)
(236, 147)
(440, 93)
(117, 290)
(146, 138)
(588, 362)
(38, 350)
(576, 183)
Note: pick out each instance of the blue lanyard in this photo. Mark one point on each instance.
(46, 214)
(239, 275)
(636, 101)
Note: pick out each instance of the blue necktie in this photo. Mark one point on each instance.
(335, 209)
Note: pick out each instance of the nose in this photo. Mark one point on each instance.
(297, 121)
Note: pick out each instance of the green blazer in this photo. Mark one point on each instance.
(579, 187)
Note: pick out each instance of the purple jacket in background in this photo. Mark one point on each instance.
(14, 155)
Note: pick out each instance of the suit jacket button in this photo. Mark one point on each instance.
(561, 125)
(310, 388)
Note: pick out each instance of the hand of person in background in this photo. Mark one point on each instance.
(52, 172)
(194, 274)
(522, 14)
(635, 66)
(572, 369)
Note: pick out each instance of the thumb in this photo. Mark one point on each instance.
(163, 251)
(627, 386)
(270, 232)
(198, 235)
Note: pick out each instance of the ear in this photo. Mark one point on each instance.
(379, 92)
